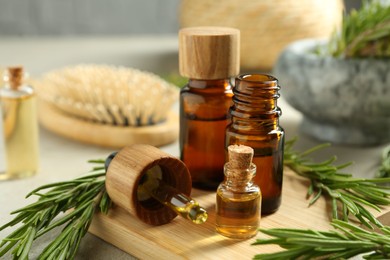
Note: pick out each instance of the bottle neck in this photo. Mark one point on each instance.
(238, 179)
(255, 102)
(215, 85)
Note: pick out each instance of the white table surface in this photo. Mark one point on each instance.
(63, 159)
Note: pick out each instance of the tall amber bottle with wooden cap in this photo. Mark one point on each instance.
(209, 57)
(20, 125)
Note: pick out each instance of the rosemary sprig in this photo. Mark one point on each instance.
(349, 195)
(82, 195)
(384, 169)
(311, 244)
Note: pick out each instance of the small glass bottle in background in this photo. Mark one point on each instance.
(238, 204)
(209, 57)
(255, 123)
(20, 125)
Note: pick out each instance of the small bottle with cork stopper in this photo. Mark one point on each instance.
(209, 57)
(20, 125)
(238, 207)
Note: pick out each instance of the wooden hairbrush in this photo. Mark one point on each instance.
(108, 106)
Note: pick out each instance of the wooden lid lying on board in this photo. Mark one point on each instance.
(209, 52)
(124, 174)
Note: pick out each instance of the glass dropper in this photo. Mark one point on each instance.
(152, 185)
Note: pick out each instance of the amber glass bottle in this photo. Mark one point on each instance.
(255, 123)
(209, 57)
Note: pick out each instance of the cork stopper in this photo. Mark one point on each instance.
(209, 52)
(240, 156)
(15, 76)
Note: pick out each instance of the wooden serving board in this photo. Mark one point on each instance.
(181, 239)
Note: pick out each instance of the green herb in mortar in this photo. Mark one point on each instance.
(364, 33)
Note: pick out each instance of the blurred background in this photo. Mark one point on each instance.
(94, 17)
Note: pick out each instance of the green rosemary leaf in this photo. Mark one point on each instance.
(361, 200)
(334, 209)
(269, 241)
(367, 215)
(289, 254)
(105, 203)
(314, 149)
(324, 163)
(347, 254)
(10, 245)
(289, 232)
(316, 197)
(384, 169)
(310, 190)
(343, 185)
(320, 242)
(99, 161)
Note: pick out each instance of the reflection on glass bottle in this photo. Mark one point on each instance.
(20, 126)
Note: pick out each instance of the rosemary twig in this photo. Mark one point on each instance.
(348, 195)
(310, 244)
(82, 195)
(384, 169)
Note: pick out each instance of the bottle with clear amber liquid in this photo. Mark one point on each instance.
(20, 126)
(238, 209)
(209, 57)
(255, 123)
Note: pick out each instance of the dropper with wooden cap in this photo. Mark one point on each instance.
(152, 185)
(238, 209)
(209, 57)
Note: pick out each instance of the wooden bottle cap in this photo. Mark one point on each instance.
(124, 174)
(209, 52)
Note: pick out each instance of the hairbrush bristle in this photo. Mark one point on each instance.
(110, 95)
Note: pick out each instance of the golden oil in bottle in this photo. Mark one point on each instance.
(20, 126)
(238, 203)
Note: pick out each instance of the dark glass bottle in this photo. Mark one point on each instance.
(203, 119)
(208, 56)
(255, 123)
